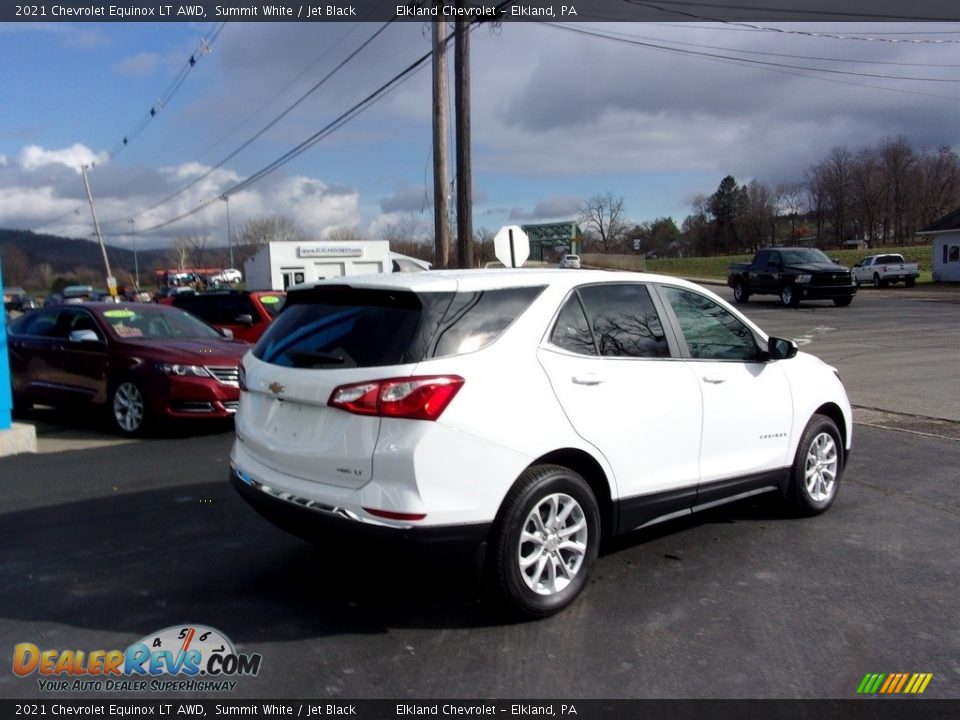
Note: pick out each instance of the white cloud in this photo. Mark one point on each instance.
(34, 156)
(139, 65)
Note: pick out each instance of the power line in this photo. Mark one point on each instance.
(263, 130)
(786, 55)
(807, 33)
(762, 63)
(203, 49)
(280, 92)
(804, 13)
(306, 144)
(683, 26)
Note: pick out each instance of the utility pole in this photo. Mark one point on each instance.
(136, 263)
(226, 199)
(461, 71)
(111, 281)
(441, 203)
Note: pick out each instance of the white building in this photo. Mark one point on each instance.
(945, 234)
(278, 265)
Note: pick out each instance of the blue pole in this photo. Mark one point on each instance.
(6, 401)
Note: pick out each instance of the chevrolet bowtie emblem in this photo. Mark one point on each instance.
(276, 388)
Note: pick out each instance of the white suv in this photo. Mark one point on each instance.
(230, 275)
(525, 414)
(571, 262)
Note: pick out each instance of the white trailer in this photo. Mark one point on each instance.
(280, 265)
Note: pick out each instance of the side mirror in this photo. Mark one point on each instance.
(780, 349)
(244, 319)
(226, 332)
(78, 336)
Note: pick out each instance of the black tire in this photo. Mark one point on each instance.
(789, 297)
(127, 408)
(842, 302)
(740, 294)
(910, 282)
(817, 468)
(526, 577)
(877, 282)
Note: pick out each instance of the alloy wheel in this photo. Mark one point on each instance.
(820, 472)
(128, 407)
(553, 544)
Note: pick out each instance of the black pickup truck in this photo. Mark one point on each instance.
(794, 274)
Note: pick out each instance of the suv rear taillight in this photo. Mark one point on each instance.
(413, 398)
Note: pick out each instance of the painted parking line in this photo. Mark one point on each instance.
(812, 334)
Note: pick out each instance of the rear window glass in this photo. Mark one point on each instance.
(335, 326)
(476, 319)
(273, 304)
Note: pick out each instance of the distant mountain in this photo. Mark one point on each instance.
(67, 254)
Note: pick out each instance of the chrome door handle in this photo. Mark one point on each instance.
(713, 380)
(588, 378)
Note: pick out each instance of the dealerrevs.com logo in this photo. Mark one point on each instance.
(200, 657)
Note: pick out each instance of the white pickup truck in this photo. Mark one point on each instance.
(881, 270)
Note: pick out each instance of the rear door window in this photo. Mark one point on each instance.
(624, 321)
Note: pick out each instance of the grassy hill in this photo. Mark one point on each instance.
(69, 257)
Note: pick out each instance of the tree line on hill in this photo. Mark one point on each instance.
(880, 195)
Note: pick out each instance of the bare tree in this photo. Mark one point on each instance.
(867, 196)
(258, 231)
(816, 183)
(601, 217)
(188, 250)
(43, 275)
(940, 185)
(789, 199)
(899, 163)
(838, 168)
(483, 247)
(756, 216)
(695, 231)
(411, 236)
(16, 265)
(344, 234)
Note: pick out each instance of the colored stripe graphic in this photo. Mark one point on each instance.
(894, 683)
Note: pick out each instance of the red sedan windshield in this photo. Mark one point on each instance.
(156, 324)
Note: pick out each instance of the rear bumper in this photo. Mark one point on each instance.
(320, 522)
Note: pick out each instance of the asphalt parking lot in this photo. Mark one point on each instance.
(105, 540)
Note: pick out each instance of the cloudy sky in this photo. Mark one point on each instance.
(655, 112)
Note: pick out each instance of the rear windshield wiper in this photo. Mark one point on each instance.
(309, 359)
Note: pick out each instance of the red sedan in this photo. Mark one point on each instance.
(145, 363)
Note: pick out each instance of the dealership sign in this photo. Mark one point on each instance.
(312, 251)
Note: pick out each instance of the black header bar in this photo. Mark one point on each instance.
(482, 11)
